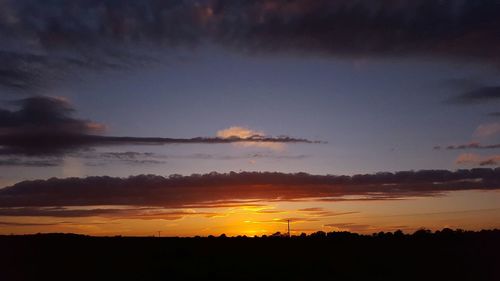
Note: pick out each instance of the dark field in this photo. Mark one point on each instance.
(444, 255)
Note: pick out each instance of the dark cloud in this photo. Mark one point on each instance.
(44, 115)
(239, 188)
(471, 145)
(131, 157)
(7, 223)
(479, 95)
(55, 212)
(43, 40)
(121, 213)
(31, 144)
(44, 125)
(12, 161)
(363, 28)
(494, 114)
(490, 162)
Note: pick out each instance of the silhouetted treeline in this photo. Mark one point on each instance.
(423, 255)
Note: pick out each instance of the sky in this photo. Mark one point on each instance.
(209, 117)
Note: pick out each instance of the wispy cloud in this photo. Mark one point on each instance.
(22, 162)
(144, 213)
(470, 145)
(483, 132)
(476, 159)
(482, 94)
(8, 223)
(487, 130)
(321, 212)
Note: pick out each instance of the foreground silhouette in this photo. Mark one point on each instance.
(423, 255)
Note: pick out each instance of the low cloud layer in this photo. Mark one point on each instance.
(43, 40)
(220, 190)
(44, 126)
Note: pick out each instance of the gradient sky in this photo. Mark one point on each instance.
(336, 88)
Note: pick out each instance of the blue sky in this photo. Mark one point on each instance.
(375, 115)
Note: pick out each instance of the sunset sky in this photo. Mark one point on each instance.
(226, 116)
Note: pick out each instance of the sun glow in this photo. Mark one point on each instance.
(245, 133)
(455, 210)
(239, 132)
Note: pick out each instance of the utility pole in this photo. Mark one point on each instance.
(288, 228)
(159, 234)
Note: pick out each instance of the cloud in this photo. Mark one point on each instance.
(110, 213)
(321, 212)
(476, 159)
(361, 28)
(239, 132)
(215, 189)
(128, 157)
(284, 220)
(483, 94)
(487, 130)
(270, 211)
(44, 125)
(258, 155)
(491, 161)
(43, 41)
(494, 114)
(44, 114)
(140, 158)
(471, 145)
(7, 223)
(13, 161)
(467, 158)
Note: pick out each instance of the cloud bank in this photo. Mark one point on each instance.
(43, 40)
(219, 190)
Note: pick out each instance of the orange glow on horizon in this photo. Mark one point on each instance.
(454, 210)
